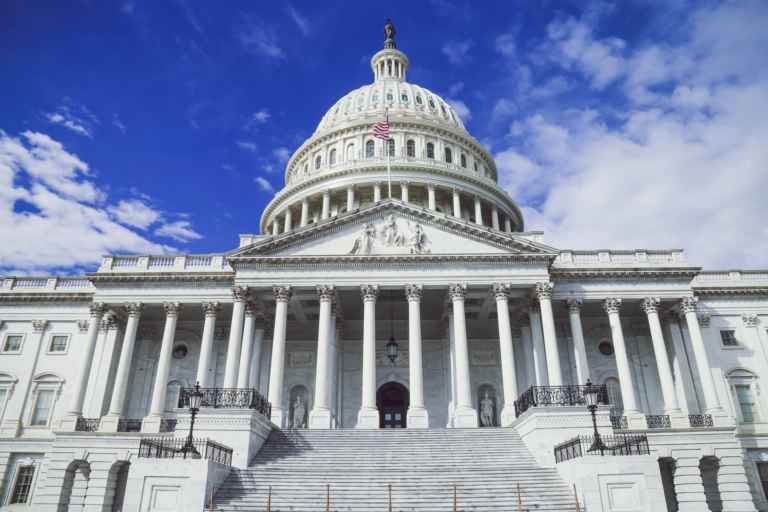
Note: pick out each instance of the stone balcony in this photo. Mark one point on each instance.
(628, 258)
(160, 264)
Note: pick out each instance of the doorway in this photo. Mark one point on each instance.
(392, 401)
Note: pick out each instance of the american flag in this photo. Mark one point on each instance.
(381, 130)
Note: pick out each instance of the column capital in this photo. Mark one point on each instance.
(500, 291)
(171, 308)
(134, 308)
(612, 305)
(210, 308)
(650, 305)
(282, 293)
(704, 319)
(574, 305)
(543, 290)
(97, 309)
(749, 319)
(39, 325)
(369, 292)
(326, 292)
(239, 293)
(82, 325)
(689, 304)
(413, 292)
(457, 291)
(253, 308)
(108, 321)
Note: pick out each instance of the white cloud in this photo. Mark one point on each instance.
(67, 120)
(457, 51)
(301, 21)
(261, 116)
(282, 154)
(264, 184)
(455, 89)
(461, 109)
(259, 39)
(180, 230)
(505, 45)
(247, 146)
(136, 213)
(50, 213)
(683, 165)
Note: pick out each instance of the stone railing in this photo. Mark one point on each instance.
(634, 258)
(556, 396)
(732, 277)
(46, 284)
(182, 263)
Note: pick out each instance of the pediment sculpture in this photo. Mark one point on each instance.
(391, 237)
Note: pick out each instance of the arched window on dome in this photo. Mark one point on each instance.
(448, 156)
(350, 152)
(404, 97)
(375, 98)
(475, 166)
(418, 99)
(431, 103)
(430, 150)
(410, 148)
(369, 149)
(391, 147)
(318, 161)
(464, 160)
(332, 157)
(306, 169)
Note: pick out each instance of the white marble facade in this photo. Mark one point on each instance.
(436, 259)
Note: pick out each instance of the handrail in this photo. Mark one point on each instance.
(174, 448)
(556, 396)
(613, 445)
(228, 398)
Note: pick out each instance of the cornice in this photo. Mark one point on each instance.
(46, 297)
(624, 273)
(257, 262)
(162, 276)
(731, 291)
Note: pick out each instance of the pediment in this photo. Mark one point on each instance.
(393, 228)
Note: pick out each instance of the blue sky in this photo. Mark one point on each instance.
(163, 126)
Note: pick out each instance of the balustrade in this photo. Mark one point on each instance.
(228, 398)
(556, 396)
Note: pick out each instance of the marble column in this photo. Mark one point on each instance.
(507, 351)
(304, 212)
(210, 310)
(277, 366)
(417, 412)
(507, 225)
(288, 226)
(404, 191)
(376, 192)
(239, 297)
(368, 416)
(478, 211)
(612, 307)
(320, 415)
(109, 423)
(81, 383)
(495, 218)
(334, 336)
(465, 414)
(544, 294)
(577, 335)
(249, 327)
(275, 227)
(711, 401)
(350, 198)
(160, 388)
(431, 202)
(537, 346)
(326, 209)
(456, 204)
(671, 406)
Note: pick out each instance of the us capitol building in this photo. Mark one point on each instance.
(392, 284)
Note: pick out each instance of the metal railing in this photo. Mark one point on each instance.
(87, 424)
(555, 396)
(700, 420)
(168, 425)
(173, 448)
(656, 421)
(619, 423)
(129, 425)
(229, 398)
(623, 444)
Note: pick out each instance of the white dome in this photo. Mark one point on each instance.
(402, 100)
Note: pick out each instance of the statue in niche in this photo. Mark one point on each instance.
(299, 413)
(487, 407)
(418, 241)
(392, 237)
(364, 241)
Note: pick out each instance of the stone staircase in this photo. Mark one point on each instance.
(422, 466)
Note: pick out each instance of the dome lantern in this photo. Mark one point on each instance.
(389, 63)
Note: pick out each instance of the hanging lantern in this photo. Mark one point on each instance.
(393, 349)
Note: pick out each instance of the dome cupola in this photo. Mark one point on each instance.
(389, 63)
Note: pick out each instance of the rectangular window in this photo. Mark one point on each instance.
(43, 406)
(746, 403)
(58, 343)
(762, 470)
(12, 343)
(728, 338)
(23, 486)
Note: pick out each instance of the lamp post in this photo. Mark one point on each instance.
(195, 399)
(592, 397)
(393, 350)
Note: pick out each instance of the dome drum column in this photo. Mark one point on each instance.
(431, 197)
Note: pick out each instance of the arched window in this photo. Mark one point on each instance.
(431, 102)
(46, 388)
(464, 160)
(743, 388)
(391, 147)
(418, 99)
(448, 156)
(369, 149)
(375, 98)
(350, 152)
(332, 157)
(306, 168)
(404, 97)
(475, 165)
(410, 148)
(430, 150)
(318, 161)
(390, 97)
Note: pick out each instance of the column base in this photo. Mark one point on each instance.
(418, 417)
(678, 419)
(320, 419)
(368, 418)
(151, 424)
(69, 423)
(465, 417)
(508, 415)
(720, 418)
(636, 420)
(278, 416)
(109, 423)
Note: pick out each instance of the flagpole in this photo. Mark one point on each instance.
(386, 150)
